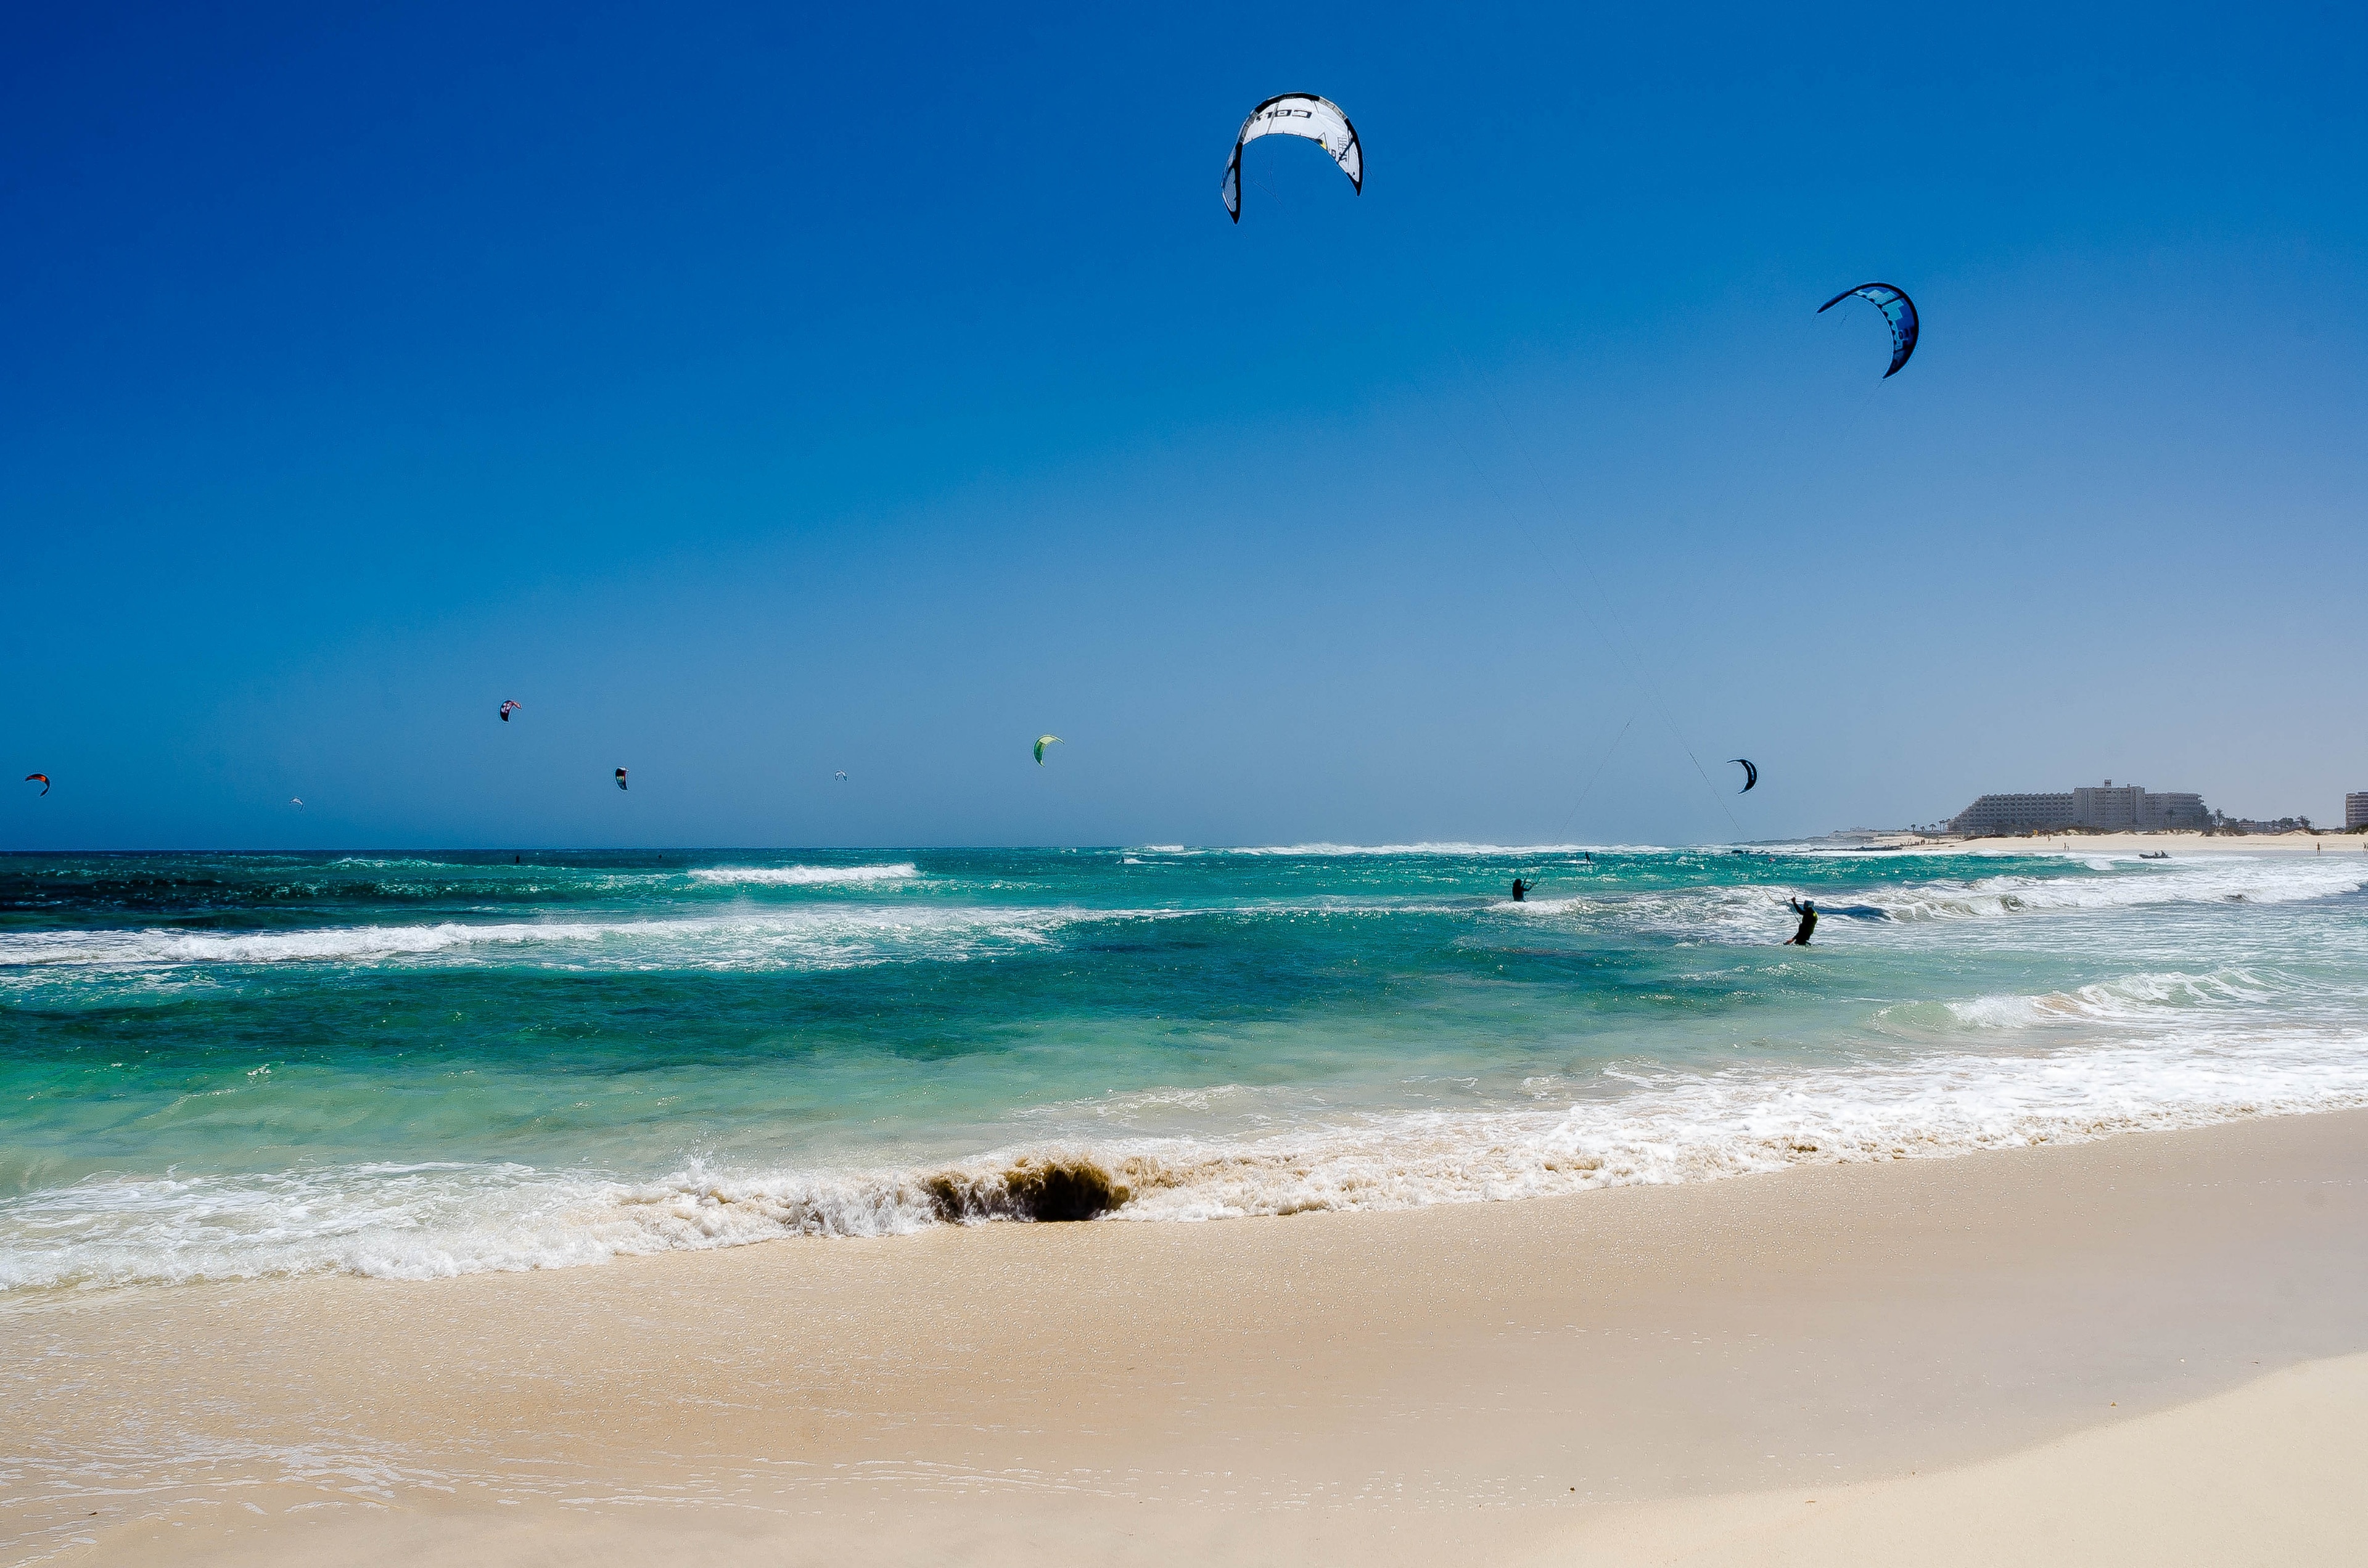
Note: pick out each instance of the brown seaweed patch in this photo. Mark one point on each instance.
(1047, 1189)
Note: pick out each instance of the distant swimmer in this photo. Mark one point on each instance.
(509, 708)
(1807, 911)
(1520, 889)
(621, 778)
(40, 779)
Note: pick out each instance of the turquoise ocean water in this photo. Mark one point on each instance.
(415, 1064)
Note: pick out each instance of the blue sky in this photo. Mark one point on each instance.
(756, 394)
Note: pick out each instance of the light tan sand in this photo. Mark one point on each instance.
(2176, 844)
(1628, 1376)
(2270, 1473)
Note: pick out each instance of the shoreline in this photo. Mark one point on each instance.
(2173, 843)
(1495, 1381)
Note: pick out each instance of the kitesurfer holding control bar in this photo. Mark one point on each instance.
(1808, 913)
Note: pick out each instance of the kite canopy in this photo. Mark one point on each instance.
(1896, 308)
(1042, 741)
(509, 708)
(43, 778)
(1750, 773)
(621, 778)
(1297, 114)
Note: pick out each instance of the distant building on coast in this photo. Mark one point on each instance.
(2104, 807)
(2355, 810)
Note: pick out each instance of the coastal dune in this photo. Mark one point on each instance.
(2147, 1349)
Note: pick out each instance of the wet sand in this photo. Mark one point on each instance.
(2128, 1349)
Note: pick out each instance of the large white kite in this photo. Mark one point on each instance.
(1297, 114)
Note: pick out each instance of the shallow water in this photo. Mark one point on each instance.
(217, 1065)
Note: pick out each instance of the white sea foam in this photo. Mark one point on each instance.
(1625, 1127)
(2222, 879)
(1443, 851)
(2131, 999)
(1748, 911)
(827, 937)
(804, 876)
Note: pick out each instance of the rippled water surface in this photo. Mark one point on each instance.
(415, 1064)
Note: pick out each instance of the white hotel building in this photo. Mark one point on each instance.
(2107, 808)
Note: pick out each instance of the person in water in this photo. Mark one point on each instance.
(1520, 889)
(1808, 913)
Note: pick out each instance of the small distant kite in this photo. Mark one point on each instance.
(1043, 741)
(43, 778)
(297, 801)
(621, 778)
(1750, 773)
(1896, 308)
(1320, 120)
(840, 776)
(509, 708)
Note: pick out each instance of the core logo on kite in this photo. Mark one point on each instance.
(509, 708)
(1896, 308)
(1318, 119)
(621, 778)
(43, 778)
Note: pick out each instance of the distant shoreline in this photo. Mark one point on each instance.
(2175, 842)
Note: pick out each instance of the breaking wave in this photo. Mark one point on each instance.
(824, 936)
(1443, 851)
(804, 876)
(1621, 1128)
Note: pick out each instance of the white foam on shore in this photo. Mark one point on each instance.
(1618, 1129)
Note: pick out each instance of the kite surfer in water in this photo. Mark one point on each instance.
(1808, 913)
(1520, 889)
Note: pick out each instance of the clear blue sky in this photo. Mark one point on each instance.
(757, 392)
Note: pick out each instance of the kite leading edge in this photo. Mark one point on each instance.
(1896, 308)
(1319, 120)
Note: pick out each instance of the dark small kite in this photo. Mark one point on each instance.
(42, 779)
(509, 708)
(1750, 773)
(1896, 308)
(621, 778)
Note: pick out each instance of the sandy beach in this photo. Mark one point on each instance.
(2174, 844)
(2148, 1349)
